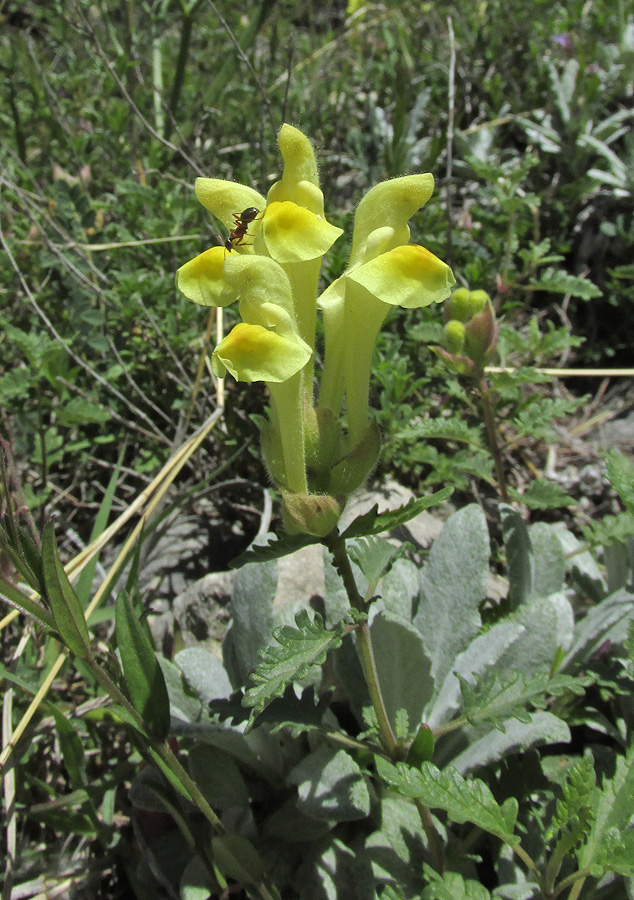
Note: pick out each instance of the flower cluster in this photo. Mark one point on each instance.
(270, 266)
(470, 334)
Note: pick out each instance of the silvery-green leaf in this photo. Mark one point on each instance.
(543, 728)
(330, 785)
(453, 584)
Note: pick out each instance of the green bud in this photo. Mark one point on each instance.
(315, 514)
(454, 336)
(458, 306)
(422, 747)
(477, 301)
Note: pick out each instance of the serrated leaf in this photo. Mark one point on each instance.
(374, 556)
(613, 808)
(618, 854)
(452, 886)
(495, 698)
(543, 494)
(449, 429)
(64, 602)
(299, 649)
(464, 800)
(574, 810)
(141, 669)
(621, 476)
(556, 281)
(374, 522)
(281, 545)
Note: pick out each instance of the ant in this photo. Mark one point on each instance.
(239, 231)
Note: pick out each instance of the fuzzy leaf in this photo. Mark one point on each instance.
(374, 522)
(519, 556)
(464, 800)
(299, 649)
(516, 738)
(452, 886)
(450, 429)
(141, 669)
(452, 587)
(330, 786)
(374, 556)
(16, 598)
(574, 810)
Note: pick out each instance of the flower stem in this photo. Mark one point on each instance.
(337, 547)
(489, 421)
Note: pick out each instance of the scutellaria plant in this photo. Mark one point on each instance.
(316, 454)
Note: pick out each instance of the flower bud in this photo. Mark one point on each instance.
(454, 336)
(458, 306)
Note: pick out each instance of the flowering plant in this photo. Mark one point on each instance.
(270, 266)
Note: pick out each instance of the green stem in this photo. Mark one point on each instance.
(489, 421)
(435, 844)
(187, 24)
(337, 547)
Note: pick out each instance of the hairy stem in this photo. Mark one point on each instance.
(366, 654)
(489, 421)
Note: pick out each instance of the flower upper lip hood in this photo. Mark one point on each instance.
(384, 270)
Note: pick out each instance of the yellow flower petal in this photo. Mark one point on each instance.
(294, 234)
(253, 353)
(223, 199)
(202, 278)
(390, 203)
(408, 276)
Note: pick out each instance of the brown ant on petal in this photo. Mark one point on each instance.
(240, 229)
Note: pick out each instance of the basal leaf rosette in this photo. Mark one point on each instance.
(384, 271)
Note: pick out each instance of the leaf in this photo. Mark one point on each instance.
(516, 738)
(495, 698)
(452, 586)
(556, 281)
(550, 574)
(16, 598)
(447, 429)
(299, 714)
(543, 494)
(281, 545)
(142, 672)
(64, 602)
(331, 786)
(237, 858)
(519, 556)
(617, 854)
(464, 800)
(613, 808)
(452, 886)
(374, 522)
(218, 777)
(403, 667)
(254, 589)
(621, 477)
(375, 556)
(607, 620)
(299, 649)
(79, 411)
(574, 810)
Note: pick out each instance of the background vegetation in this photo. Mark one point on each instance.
(109, 110)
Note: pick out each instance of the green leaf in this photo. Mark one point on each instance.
(613, 809)
(621, 477)
(375, 556)
(556, 281)
(237, 858)
(464, 800)
(452, 587)
(374, 522)
(618, 853)
(452, 886)
(277, 546)
(64, 602)
(142, 672)
(299, 649)
(543, 494)
(85, 580)
(498, 697)
(331, 786)
(574, 810)
(79, 411)
(449, 429)
(519, 556)
(18, 599)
